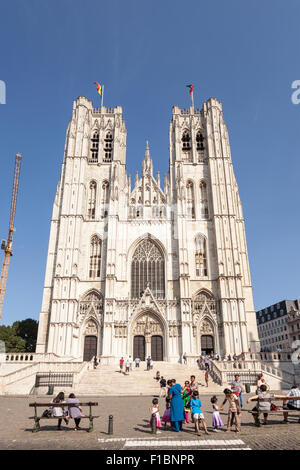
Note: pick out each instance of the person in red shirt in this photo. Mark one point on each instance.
(121, 364)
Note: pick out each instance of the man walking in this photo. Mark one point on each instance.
(163, 386)
(137, 362)
(238, 388)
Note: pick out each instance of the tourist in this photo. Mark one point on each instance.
(186, 396)
(154, 410)
(157, 377)
(121, 364)
(184, 358)
(238, 388)
(260, 381)
(167, 413)
(163, 386)
(127, 366)
(177, 408)
(194, 386)
(264, 404)
(148, 362)
(95, 362)
(75, 411)
(197, 413)
(58, 411)
(292, 404)
(216, 418)
(229, 357)
(151, 364)
(169, 385)
(137, 362)
(234, 411)
(130, 362)
(206, 377)
(206, 361)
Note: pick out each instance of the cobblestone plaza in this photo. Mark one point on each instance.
(132, 430)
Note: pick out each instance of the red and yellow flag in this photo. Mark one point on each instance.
(99, 88)
(191, 87)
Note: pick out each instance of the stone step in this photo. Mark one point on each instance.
(107, 379)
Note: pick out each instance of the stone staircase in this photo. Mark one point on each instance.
(107, 380)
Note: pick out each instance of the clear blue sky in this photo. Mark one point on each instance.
(246, 53)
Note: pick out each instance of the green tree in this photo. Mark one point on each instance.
(13, 342)
(27, 330)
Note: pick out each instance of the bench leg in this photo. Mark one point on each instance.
(36, 427)
(91, 427)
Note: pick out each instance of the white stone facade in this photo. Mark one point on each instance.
(144, 270)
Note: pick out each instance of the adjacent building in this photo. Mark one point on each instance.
(279, 325)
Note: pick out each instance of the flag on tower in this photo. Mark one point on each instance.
(191, 88)
(99, 89)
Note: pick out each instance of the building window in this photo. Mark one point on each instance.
(95, 257)
(186, 146)
(108, 146)
(200, 256)
(203, 200)
(92, 200)
(190, 200)
(200, 146)
(148, 269)
(94, 148)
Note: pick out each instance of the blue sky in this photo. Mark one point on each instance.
(246, 53)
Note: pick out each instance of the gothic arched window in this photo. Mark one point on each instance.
(92, 200)
(148, 268)
(108, 147)
(95, 257)
(186, 140)
(204, 297)
(200, 141)
(190, 200)
(94, 147)
(203, 200)
(200, 255)
(105, 199)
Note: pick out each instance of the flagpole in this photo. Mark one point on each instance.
(102, 95)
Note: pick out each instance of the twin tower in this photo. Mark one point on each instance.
(148, 266)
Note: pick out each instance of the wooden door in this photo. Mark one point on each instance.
(139, 347)
(207, 344)
(90, 347)
(157, 348)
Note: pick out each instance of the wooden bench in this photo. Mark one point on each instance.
(37, 418)
(279, 411)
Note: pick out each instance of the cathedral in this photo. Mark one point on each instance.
(152, 266)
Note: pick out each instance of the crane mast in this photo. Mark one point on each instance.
(8, 245)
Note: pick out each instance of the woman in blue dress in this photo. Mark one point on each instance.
(177, 408)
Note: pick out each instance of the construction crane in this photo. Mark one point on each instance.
(7, 246)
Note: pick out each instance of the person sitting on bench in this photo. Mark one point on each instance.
(292, 405)
(74, 412)
(58, 411)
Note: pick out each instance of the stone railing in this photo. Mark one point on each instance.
(38, 367)
(266, 356)
(31, 357)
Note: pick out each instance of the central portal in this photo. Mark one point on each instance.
(147, 336)
(139, 347)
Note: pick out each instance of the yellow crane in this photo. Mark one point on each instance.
(7, 246)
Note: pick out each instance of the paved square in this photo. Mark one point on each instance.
(132, 430)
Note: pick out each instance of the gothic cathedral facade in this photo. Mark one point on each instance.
(134, 269)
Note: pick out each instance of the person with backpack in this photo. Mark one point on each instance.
(58, 411)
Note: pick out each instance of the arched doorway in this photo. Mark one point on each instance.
(157, 348)
(207, 344)
(147, 336)
(90, 348)
(139, 347)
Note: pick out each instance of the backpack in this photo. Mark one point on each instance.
(46, 414)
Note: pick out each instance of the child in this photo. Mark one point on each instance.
(167, 413)
(197, 412)
(234, 411)
(186, 396)
(155, 410)
(216, 418)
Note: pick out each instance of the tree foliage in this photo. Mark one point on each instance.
(20, 337)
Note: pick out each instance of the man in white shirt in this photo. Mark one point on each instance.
(292, 404)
